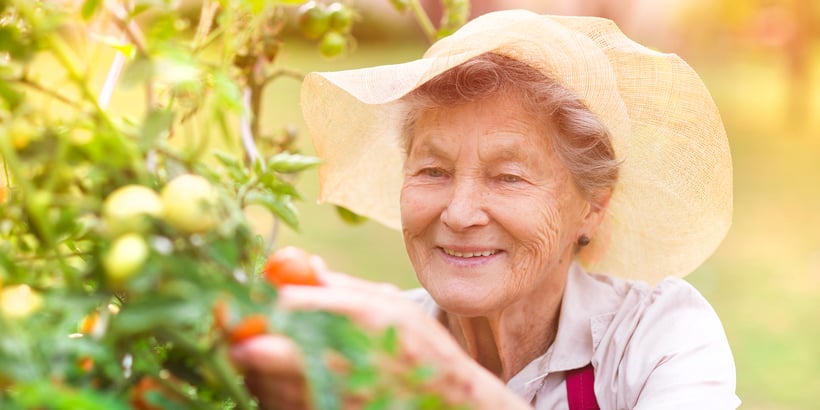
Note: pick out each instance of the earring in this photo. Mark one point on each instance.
(583, 240)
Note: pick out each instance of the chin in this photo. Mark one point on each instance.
(463, 301)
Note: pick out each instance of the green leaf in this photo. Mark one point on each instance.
(227, 91)
(12, 97)
(288, 163)
(90, 8)
(138, 71)
(157, 123)
(279, 205)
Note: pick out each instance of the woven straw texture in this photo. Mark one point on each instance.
(673, 202)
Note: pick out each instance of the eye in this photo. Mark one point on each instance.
(509, 178)
(433, 172)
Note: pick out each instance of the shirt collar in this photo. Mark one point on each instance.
(587, 309)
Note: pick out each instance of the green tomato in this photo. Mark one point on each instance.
(314, 20)
(341, 17)
(400, 5)
(125, 258)
(19, 301)
(125, 209)
(349, 216)
(333, 44)
(190, 204)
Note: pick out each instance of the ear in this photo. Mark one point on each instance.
(594, 214)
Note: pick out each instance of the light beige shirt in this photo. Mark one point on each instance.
(652, 348)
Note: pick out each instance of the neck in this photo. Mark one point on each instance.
(504, 342)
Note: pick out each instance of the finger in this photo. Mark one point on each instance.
(277, 393)
(268, 354)
(342, 280)
(374, 310)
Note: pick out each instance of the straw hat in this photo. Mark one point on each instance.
(673, 202)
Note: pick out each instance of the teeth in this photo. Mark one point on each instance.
(468, 254)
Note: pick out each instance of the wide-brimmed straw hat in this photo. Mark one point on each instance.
(673, 202)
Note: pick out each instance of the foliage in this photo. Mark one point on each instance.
(122, 233)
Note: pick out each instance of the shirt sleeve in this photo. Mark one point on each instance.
(679, 357)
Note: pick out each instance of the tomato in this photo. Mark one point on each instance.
(89, 322)
(314, 20)
(222, 314)
(85, 363)
(333, 44)
(290, 266)
(190, 204)
(127, 255)
(124, 210)
(141, 390)
(19, 301)
(250, 326)
(341, 17)
(2, 194)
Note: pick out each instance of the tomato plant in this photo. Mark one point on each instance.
(127, 265)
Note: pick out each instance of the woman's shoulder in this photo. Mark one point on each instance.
(665, 347)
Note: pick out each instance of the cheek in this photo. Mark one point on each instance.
(417, 216)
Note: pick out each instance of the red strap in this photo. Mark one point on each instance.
(581, 389)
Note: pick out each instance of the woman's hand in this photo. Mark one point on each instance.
(275, 374)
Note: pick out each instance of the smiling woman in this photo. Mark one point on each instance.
(552, 180)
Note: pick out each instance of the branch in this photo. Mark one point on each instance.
(424, 20)
(248, 144)
(206, 19)
(129, 27)
(283, 72)
(51, 93)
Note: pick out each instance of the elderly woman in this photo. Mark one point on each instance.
(518, 150)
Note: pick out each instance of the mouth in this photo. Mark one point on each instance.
(470, 254)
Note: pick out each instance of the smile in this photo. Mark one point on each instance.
(469, 254)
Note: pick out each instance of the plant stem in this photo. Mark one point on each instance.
(51, 93)
(245, 127)
(424, 20)
(206, 19)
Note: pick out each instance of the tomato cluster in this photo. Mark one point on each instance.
(188, 203)
(287, 266)
(329, 23)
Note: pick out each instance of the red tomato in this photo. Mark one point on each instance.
(290, 266)
(253, 325)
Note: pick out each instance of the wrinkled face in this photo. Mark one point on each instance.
(490, 215)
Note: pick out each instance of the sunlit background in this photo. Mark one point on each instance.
(760, 59)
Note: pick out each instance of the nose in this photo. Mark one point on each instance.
(466, 207)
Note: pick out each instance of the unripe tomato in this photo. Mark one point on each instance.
(190, 204)
(341, 17)
(126, 256)
(21, 133)
(251, 326)
(314, 20)
(332, 45)
(290, 266)
(125, 209)
(400, 5)
(19, 301)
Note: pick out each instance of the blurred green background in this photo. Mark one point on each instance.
(761, 60)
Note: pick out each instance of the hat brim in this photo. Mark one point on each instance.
(672, 205)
